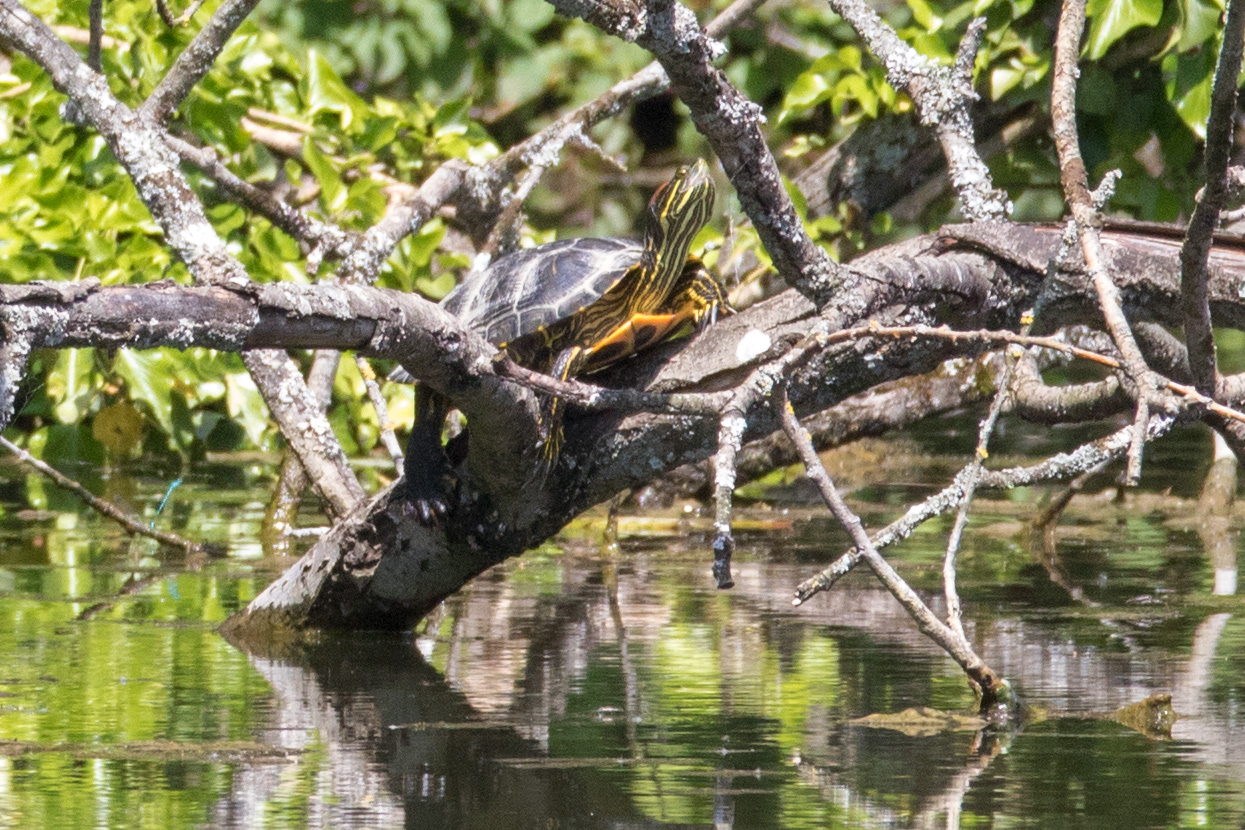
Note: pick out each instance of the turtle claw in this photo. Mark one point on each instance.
(426, 501)
(427, 490)
(429, 512)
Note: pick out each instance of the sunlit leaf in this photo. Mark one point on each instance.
(923, 13)
(1189, 81)
(148, 377)
(332, 191)
(1200, 22)
(325, 92)
(1110, 20)
(246, 407)
(70, 384)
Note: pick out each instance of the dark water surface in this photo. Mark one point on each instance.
(585, 688)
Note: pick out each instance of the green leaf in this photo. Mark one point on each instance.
(798, 201)
(529, 15)
(1199, 23)
(809, 90)
(365, 201)
(854, 89)
(332, 190)
(1189, 82)
(425, 243)
(326, 92)
(1110, 20)
(246, 407)
(70, 385)
(149, 379)
(925, 16)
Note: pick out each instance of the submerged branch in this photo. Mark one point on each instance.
(105, 508)
(1057, 467)
(993, 690)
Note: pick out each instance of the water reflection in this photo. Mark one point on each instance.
(632, 696)
(578, 688)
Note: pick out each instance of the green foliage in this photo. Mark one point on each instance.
(1110, 20)
(68, 211)
(841, 81)
(1144, 94)
(332, 106)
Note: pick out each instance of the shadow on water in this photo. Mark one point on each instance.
(581, 688)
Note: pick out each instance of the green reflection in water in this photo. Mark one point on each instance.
(83, 696)
(682, 705)
(119, 710)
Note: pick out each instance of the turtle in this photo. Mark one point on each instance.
(573, 307)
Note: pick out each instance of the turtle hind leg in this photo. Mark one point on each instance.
(552, 408)
(425, 468)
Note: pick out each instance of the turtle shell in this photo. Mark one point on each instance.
(534, 288)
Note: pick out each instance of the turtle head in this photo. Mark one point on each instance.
(677, 212)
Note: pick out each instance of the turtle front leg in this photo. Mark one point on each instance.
(699, 295)
(425, 468)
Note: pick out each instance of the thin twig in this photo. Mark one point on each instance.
(95, 14)
(1194, 291)
(512, 212)
(595, 397)
(1059, 466)
(1075, 183)
(382, 410)
(759, 385)
(971, 479)
(951, 640)
(730, 439)
(327, 237)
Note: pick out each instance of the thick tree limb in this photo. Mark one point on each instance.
(383, 570)
(321, 455)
